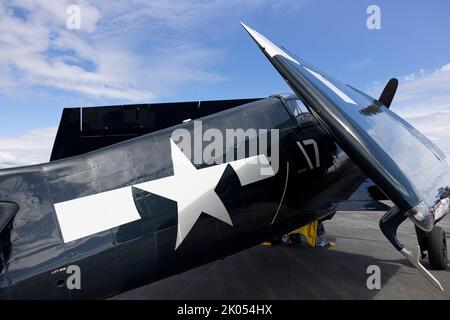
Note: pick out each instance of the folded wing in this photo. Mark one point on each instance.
(403, 163)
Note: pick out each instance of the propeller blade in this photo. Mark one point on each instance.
(389, 92)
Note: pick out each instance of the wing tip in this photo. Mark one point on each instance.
(244, 25)
(249, 30)
(266, 45)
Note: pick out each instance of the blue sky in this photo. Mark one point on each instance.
(156, 51)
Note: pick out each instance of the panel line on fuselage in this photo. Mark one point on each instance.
(284, 193)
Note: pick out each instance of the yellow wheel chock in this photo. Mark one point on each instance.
(309, 232)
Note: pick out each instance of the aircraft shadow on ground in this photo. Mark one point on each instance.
(274, 273)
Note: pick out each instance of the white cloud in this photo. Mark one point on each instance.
(31, 148)
(127, 51)
(37, 50)
(424, 101)
(425, 91)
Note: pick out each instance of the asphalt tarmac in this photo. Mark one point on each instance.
(299, 272)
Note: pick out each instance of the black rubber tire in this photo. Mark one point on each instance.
(437, 248)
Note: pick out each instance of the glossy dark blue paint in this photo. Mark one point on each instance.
(140, 252)
(408, 167)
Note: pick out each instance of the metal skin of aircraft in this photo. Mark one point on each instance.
(123, 201)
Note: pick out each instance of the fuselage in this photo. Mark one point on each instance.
(312, 176)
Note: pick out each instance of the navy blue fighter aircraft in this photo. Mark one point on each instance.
(137, 193)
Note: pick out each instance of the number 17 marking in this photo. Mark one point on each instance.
(305, 154)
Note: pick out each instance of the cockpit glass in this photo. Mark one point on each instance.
(294, 107)
(299, 111)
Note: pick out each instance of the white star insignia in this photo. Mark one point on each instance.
(193, 189)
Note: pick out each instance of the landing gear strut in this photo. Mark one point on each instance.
(389, 224)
